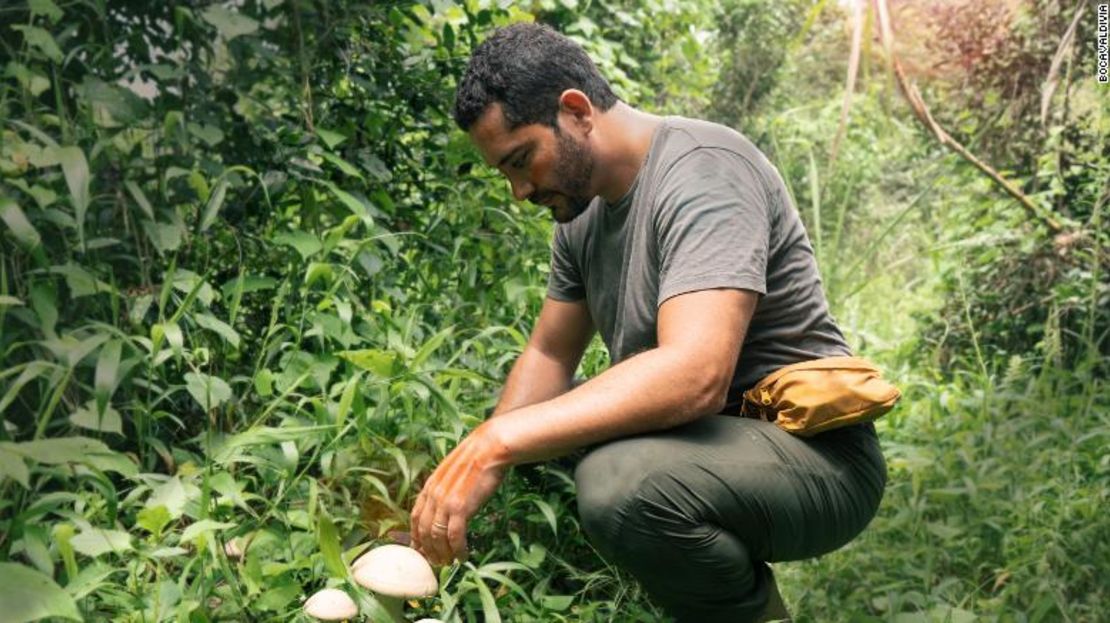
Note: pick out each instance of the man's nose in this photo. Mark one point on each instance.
(522, 189)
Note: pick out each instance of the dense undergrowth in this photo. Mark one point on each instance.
(257, 303)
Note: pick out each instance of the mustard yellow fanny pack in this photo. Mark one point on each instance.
(814, 396)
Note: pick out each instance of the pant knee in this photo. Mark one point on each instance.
(608, 480)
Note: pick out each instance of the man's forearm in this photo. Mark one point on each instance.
(535, 377)
(654, 390)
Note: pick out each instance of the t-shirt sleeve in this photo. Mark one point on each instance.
(712, 225)
(564, 282)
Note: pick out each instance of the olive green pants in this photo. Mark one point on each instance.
(696, 512)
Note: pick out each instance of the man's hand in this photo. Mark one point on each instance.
(465, 479)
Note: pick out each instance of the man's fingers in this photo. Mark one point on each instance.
(456, 537)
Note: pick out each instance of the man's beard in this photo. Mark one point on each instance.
(573, 168)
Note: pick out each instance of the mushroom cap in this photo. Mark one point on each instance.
(396, 571)
(331, 604)
(429, 621)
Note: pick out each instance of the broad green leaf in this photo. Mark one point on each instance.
(96, 542)
(36, 547)
(264, 382)
(204, 526)
(76, 170)
(165, 237)
(330, 138)
(10, 301)
(229, 23)
(112, 105)
(112, 462)
(305, 243)
(317, 271)
(341, 164)
(71, 351)
(215, 202)
(380, 362)
(251, 283)
(209, 391)
(153, 520)
(170, 332)
(12, 466)
(210, 134)
(40, 39)
(170, 495)
(45, 8)
(90, 579)
(345, 400)
(489, 602)
(80, 281)
(43, 301)
(327, 537)
(225, 449)
(58, 450)
(107, 373)
(140, 198)
(13, 216)
(352, 203)
(28, 595)
(106, 420)
(430, 347)
(548, 514)
(32, 371)
(221, 328)
(189, 282)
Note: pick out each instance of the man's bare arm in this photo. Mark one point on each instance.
(686, 376)
(546, 367)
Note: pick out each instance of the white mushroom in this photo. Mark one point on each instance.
(429, 621)
(395, 573)
(331, 604)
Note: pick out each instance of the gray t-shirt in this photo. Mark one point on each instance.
(707, 210)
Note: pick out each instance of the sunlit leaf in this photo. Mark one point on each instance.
(380, 362)
(202, 527)
(305, 243)
(105, 420)
(12, 466)
(28, 595)
(209, 391)
(221, 328)
(76, 170)
(153, 519)
(327, 538)
(107, 376)
(41, 40)
(229, 23)
(212, 207)
(97, 542)
(57, 450)
(330, 138)
(13, 216)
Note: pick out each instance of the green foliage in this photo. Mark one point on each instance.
(253, 286)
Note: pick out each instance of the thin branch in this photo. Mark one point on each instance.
(921, 111)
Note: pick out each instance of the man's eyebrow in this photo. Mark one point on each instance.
(512, 153)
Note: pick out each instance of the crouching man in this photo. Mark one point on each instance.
(677, 240)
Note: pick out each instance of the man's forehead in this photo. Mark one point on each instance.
(493, 136)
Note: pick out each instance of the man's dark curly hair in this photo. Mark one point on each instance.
(526, 67)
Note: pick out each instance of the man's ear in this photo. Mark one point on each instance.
(577, 108)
